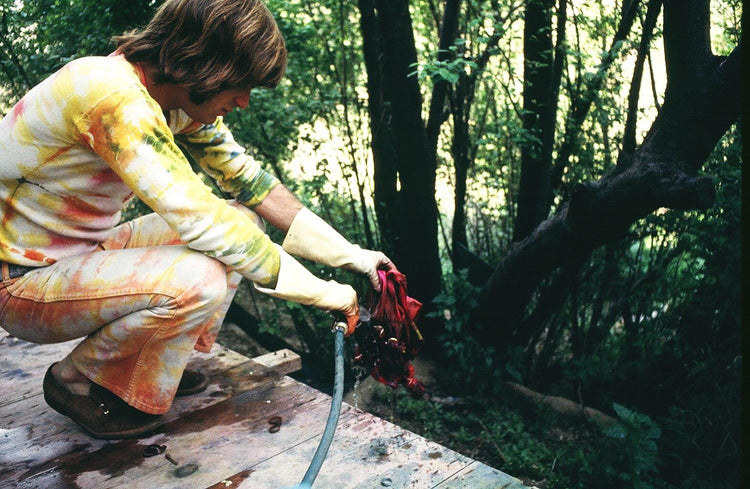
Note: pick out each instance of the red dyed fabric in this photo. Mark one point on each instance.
(391, 339)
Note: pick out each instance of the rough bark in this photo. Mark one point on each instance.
(399, 112)
(539, 109)
(384, 157)
(700, 105)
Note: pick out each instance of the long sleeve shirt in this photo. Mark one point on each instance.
(80, 144)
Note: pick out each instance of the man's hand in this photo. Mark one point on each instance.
(351, 323)
(368, 262)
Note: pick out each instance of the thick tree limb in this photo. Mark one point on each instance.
(562, 406)
(660, 173)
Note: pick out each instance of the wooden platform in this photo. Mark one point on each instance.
(219, 438)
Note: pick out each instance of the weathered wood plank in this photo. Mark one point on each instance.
(366, 453)
(24, 423)
(283, 361)
(23, 364)
(20, 354)
(219, 438)
(480, 476)
(217, 441)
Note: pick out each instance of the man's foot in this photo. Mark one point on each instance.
(101, 414)
(192, 382)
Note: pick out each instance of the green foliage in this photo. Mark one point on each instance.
(134, 208)
(449, 69)
(659, 319)
(455, 307)
(636, 462)
(667, 338)
(538, 445)
(272, 125)
(39, 37)
(69, 29)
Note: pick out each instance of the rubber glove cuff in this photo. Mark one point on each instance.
(295, 283)
(312, 238)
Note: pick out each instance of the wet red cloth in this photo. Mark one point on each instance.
(391, 339)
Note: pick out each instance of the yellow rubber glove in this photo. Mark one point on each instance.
(297, 284)
(312, 238)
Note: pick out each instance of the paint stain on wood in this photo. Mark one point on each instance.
(233, 481)
(186, 470)
(15, 374)
(113, 459)
(249, 394)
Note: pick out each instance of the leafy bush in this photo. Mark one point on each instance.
(454, 307)
(537, 445)
(633, 462)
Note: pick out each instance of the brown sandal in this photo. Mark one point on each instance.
(101, 414)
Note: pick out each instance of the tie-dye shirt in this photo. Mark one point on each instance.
(79, 145)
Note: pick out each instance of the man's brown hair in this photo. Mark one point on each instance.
(210, 45)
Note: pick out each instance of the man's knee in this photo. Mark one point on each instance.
(208, 285)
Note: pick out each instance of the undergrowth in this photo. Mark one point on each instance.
(534, 444)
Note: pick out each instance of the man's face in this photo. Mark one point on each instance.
(218, 105)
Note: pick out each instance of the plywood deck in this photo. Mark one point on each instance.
(219, 438)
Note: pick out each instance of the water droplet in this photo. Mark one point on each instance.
(355, 393)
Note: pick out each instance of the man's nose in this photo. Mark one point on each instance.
(243, 100)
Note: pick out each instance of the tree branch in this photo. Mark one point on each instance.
(660, 173)
(652, 14)
(583, 104)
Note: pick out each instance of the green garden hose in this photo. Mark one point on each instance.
(333, 416)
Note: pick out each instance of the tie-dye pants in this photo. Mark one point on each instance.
(143, 303)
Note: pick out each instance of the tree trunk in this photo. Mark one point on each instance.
(461, 161)
(700, 105)
(397, 109)
(385, 194)
(539, 109)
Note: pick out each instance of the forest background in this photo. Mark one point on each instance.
(559, 180)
